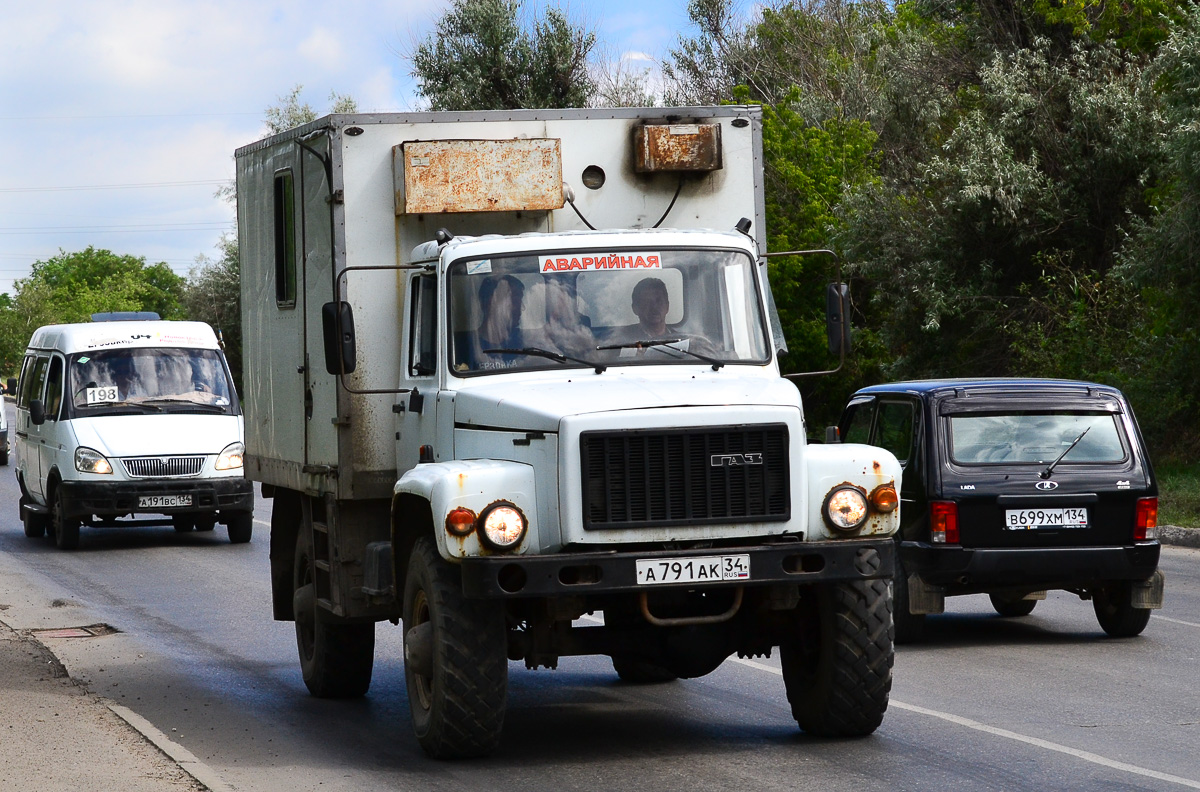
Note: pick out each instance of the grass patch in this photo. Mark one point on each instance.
(1179, 494)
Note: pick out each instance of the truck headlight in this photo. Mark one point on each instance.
(502, 526)
(231, 457)
(845, 508)
(88, 460)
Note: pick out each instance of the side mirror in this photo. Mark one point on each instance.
(337, 325)
(37, 412)
(832, 435)
(837, 318)
(12, 385)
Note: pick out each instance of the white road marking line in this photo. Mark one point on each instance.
(1086, 756)
(1174, 621)
(263, 523)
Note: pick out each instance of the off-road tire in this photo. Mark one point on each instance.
(241, 529)
(638, 671)
(1012, 608)
(910, 627)
(1116, 615)
(838, 670)
(458, 710)
(35, 524)
(336, 660)
(65, 529)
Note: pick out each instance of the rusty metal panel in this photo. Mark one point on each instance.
(677, 147)
(519, 175)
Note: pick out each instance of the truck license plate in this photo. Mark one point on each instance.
(1033, 519)
(163, 501)
(704, 569)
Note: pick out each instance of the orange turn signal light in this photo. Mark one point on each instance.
(460, 521)
(884, 497)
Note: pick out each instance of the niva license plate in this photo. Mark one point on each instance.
(163, 501)
(1034, 519)
(704, 569)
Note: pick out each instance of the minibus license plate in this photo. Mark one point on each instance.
(163, 501)
(1033, 519)
(703, 569)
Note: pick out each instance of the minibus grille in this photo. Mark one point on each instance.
(163, 467)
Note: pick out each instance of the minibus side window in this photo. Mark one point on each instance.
(54, 389)
(32, 387)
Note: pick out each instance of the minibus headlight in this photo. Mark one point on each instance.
(88, 460)
(231, 457)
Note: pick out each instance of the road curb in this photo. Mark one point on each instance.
(187, 761)
(1178, 537)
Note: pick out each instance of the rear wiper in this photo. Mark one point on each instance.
(555, 356)
(1050, 468)
(716, 364)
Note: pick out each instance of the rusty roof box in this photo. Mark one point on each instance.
(680, 148)
(442, 176)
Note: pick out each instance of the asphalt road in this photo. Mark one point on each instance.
(1042, 702)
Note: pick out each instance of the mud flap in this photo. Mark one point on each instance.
(1148, 593)
(924, 598)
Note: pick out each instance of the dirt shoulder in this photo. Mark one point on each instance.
(55, 736)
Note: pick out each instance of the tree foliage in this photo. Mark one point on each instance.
(70, 287)
(213, 295)
(483, 56)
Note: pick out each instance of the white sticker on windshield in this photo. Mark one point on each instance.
(107, 393)
(479, 267)
(611, 261)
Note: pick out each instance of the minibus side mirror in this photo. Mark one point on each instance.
(37, 412)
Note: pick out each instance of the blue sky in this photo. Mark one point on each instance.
(118, 119)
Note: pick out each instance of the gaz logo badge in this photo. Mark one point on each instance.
(735, 460)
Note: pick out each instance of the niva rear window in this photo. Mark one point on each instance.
(1035, 438)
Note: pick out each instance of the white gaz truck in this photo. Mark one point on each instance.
(511, 381)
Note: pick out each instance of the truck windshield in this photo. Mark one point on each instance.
(1035, 438)
(149, 379)
(625, 307)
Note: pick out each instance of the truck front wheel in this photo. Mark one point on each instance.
(455, 660)
(335, 659)
(838, 667)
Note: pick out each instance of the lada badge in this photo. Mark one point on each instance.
(1047, 485)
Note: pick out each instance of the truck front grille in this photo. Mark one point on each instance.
(691, 476)
(163, 467)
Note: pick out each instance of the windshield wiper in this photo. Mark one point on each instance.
(555, 356)
(186, 403)
(1050, 468)
(657, 342)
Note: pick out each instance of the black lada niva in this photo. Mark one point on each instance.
(1013, 487)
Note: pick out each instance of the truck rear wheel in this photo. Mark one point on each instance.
(910, 627)
(335, 659)
(1116, 615)
(455, 660)
(838, 669)
(639, 671)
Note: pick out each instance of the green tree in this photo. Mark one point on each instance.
(482, 57)
(70, 287)
(213, 295)
(291, 112)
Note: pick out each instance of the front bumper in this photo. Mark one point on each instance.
(118, 498)
(582, 574)
(966, 570)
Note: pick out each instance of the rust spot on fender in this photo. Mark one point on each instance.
(876, 466)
